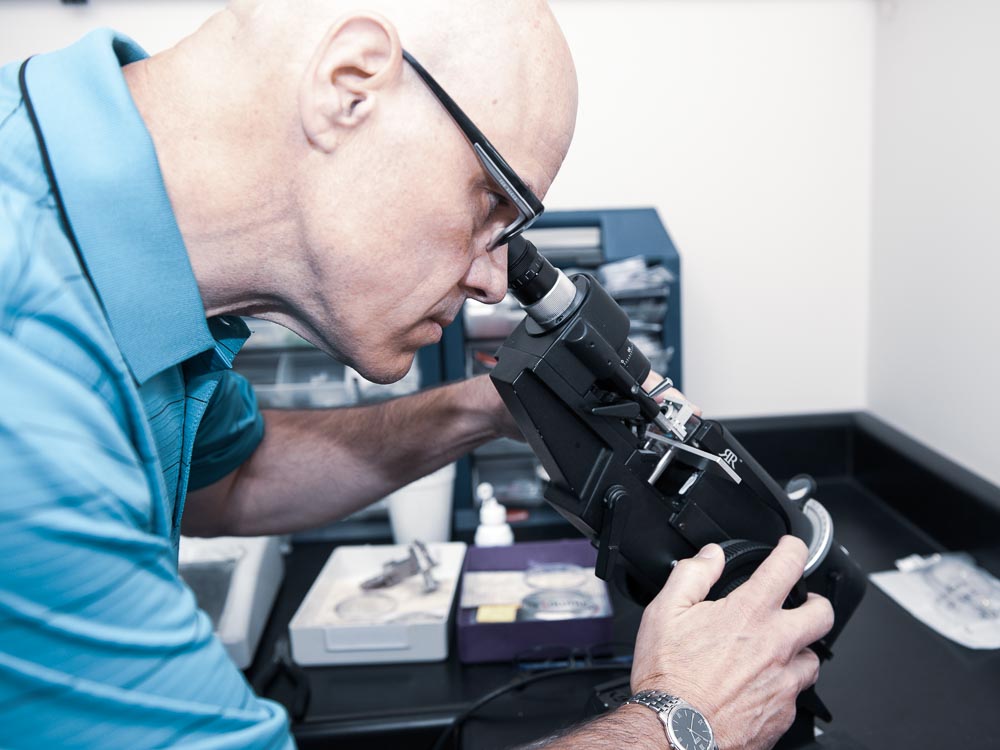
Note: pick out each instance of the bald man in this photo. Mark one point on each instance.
(285, 161)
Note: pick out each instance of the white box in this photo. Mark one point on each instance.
(340, 623)
(235, 581)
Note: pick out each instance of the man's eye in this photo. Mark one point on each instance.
(495, 201)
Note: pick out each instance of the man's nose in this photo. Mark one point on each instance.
(486, 280)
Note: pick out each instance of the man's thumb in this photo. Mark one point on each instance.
(692, 579)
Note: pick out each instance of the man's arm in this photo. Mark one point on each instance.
(633, 727)
(313, 467)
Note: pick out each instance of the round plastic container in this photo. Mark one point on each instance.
(422, 510)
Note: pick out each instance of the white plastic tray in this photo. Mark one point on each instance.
(339, 623)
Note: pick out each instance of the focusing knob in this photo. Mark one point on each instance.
(742, 559)
(800, 488)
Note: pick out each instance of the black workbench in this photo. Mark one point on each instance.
(892, 683)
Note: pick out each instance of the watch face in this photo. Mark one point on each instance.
(689, 730)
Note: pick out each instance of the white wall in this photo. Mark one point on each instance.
(935, 309)
(30, 26)
(747, 123)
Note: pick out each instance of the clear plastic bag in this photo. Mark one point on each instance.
(949, 593)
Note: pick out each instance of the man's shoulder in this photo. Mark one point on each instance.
(27, 208)
(21, 222)
(35, 254)
(10, 90)
(46, 305)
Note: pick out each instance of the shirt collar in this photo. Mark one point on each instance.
(110, 182)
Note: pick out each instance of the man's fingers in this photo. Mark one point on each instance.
(654, 379)
(770, 583)
(811, 621)
(675, 395)
(691, 579)
(805, 668)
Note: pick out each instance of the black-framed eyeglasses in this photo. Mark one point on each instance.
(529, 208)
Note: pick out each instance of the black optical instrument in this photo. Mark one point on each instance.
(650, 483)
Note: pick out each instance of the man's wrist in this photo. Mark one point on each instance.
(668, 709)
(645, 723)
(625, 727)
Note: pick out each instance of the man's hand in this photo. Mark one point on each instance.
(741, 660)
(487, 393)
(654, 378)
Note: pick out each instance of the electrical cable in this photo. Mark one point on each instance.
(519, 682)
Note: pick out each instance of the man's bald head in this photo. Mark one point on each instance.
(372, 215)
(505, 62)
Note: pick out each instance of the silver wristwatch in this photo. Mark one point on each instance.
(686, 726)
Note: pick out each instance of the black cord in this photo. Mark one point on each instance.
(518, 682)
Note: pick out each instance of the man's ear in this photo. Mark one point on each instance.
(357, 59)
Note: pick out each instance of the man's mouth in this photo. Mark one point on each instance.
(444, 320)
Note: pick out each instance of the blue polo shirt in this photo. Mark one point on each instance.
(114, 400)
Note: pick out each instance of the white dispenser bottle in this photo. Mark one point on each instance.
(493, 529)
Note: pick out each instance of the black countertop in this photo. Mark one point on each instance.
(893, 683)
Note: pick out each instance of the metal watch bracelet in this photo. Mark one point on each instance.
(661, 702)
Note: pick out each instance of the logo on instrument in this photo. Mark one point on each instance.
(630, 349)
(729, 457)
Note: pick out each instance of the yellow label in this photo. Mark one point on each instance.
(496, 613)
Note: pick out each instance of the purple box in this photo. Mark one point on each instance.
(503, 641)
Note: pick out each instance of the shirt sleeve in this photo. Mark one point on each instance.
(230, 431)
(101, 644)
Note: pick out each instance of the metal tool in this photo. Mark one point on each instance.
(396, 571)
